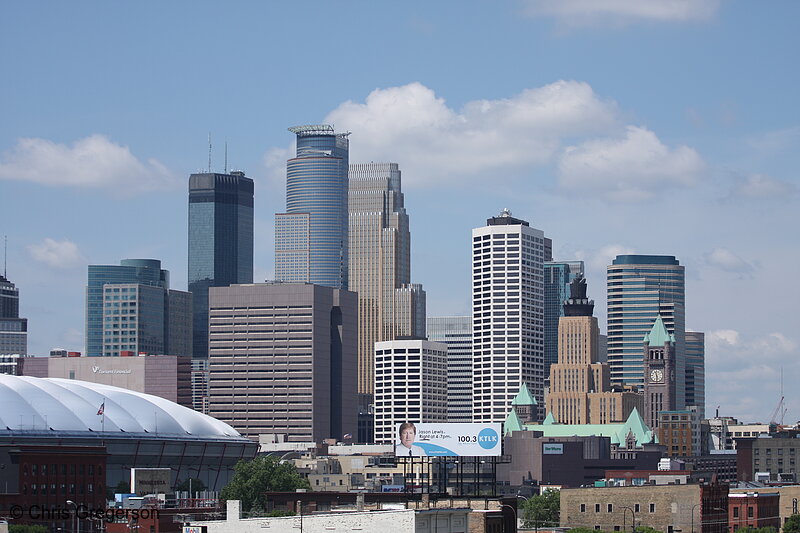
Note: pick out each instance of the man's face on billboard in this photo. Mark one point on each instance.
(407, 437)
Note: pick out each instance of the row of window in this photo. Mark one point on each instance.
(610, 507)
(53, 469)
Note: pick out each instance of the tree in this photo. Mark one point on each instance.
(251, 479)
(646, 529)
(542, 510)
(792, 524)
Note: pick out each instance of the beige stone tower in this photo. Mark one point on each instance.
(580, 391)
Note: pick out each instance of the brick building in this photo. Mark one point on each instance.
(753, 510)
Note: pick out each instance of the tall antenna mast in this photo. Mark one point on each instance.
(5, 257)
(209, 152)
(226, 156)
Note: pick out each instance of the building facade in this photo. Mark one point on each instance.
(13, 329)
(507, 315)
(696, 371)
(220, 242)
(410, 385)
(138, 271)
(380, 263)
(282, 360)
(660, 374)
(456, 333)
(165, 376)
(767, 458)
(146, 319)
(640, 288)
(753, 510)
(679, 431)
(311, 237)
(557, 277)
(580, 391)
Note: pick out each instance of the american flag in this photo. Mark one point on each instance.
(102, 408)
(347, 436)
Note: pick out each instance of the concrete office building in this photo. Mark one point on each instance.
(696, 371)
(138, 271)
(640, 288)
(282, 360)
(311, 236)
(220, 242)
(13, 329)
(410, 385)
(557, 277)
(146, 319)
(580, 391)
(456, 333)
(165, 376)
(507, 314)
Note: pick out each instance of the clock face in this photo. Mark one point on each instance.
(657, 375)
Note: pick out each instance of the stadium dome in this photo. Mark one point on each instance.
(133, 429)
(31, 404)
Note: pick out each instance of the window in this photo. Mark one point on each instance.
(749, 511)
(636, 507)
(736, 512)
(583, 507)
(652, 508)
(610, 508)
(597, 508)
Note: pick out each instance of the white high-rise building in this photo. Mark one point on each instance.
(410, 385)
(456, 333)
(507, 315)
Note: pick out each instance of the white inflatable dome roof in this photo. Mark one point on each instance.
(53, 404)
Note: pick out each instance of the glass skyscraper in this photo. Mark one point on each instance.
(220, 241)
(140, 271)
(557, 277)
(640, 288)
(696, 371)
(311, 237)
(13, 329)
(456, 333)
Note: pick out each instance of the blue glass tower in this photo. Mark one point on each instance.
(141, 271)
(311, 237)
(641, 288)
(557, 277)
(220, 242)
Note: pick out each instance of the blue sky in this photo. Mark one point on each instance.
(667, 127)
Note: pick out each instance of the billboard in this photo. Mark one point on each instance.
(549, 448)
(447, 440)
(146, 481)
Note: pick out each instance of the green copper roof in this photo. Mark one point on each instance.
(512, 423)
(616, 432)
(658, 335)
(524, 397)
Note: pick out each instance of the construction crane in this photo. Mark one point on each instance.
(780, 410)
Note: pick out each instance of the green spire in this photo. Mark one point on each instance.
(658, 335)
(524, 397)
(549, 419)
(512, 423)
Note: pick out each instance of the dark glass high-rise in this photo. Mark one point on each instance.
(220, 241)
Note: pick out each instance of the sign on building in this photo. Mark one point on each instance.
(447, 440)
(151, 481)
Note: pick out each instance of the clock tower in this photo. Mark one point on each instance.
(659, 373)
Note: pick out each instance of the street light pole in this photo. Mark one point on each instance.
(516, 520)
(701, 517)
(633, 518)
(75, 516)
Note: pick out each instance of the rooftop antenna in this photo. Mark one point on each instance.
(5, 257)
(209, 152)
(226, 156)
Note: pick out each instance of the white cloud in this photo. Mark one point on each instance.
(628, 169)
(599, 259)
(435, 143)
(621, 12)
(93, 161)
(57, 254)
(757, 186)
(740, 368)
(730, 262)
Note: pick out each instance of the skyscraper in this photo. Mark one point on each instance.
(282, 359)
(13, 329)
(220, 241)
(696, 371)
(641, 288)
(456, 333)
(389, 305)
(507, 315)
(311, 236)
(140, 271)
(557, 277)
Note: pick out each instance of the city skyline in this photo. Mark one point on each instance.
(649, 132)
